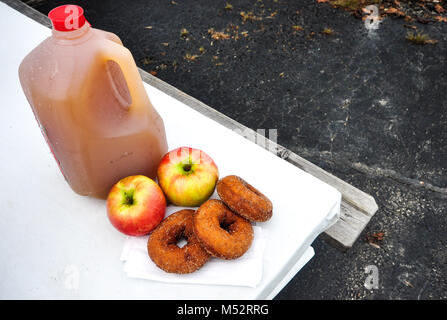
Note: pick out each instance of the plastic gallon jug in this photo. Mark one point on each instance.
(89, 100)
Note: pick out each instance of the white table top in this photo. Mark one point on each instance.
(57, 244)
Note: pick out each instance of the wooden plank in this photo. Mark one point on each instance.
(357, 207)
(346, 231)
(29, 12)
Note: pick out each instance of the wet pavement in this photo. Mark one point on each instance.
(367, 105)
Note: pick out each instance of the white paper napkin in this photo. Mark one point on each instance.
(244, 271)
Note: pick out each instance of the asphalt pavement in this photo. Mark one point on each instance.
(367, 105)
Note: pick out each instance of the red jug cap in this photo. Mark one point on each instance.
(68, 17)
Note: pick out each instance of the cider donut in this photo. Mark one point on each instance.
(221, 232)
(162, 244)
(244, 199)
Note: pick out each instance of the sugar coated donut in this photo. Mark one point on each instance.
(221, 232)
(164, 251)
(244, 199)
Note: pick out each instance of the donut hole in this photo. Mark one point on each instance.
(227, 225)
(177, 238)
(181, 239)
(181, 242)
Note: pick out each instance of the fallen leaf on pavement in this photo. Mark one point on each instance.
(191, 57)
(220, 35)
(439, 8)
(375, 239)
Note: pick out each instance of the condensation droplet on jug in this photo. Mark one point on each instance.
(55, 71)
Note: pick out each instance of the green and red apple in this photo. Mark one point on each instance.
(136, 205)
(187, 176)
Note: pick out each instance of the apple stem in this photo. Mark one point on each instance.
(128, 197)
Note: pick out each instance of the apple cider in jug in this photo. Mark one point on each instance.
(89, 100)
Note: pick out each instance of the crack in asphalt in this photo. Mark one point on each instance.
(374, 171)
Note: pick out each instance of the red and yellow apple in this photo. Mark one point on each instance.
(136, 205)
(187, 176)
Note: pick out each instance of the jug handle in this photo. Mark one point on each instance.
(111, 36)
(122, 56)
